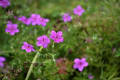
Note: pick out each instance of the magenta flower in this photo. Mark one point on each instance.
(80, 64)
(90, 77)
(66, 17)
(56, 36)
(25, 20)
(2, 60)
(35, 19)
(27, 47)
(78, 10)
(12, 28)
(4, 3)
(43, 21)
(43, 41)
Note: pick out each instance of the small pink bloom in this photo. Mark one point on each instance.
(12, 28)
(43, 21)
(80, 64)
(27, 47)
(4, 3)
(2, 60)
(35, 19)
(43, 41)
(78, 10)
(56, 36)
(66, 17)
(24, 20)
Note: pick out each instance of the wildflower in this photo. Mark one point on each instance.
(12, 28)
(27, 47)
(78, 10)
(2, 60)
(80, 64)
(43, 41)
(90, 77)
(66, 17)
(43, 21)
(35, 19)
(56, 36)
(4, 3)
(24, 20)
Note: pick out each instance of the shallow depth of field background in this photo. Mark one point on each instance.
(94, 35)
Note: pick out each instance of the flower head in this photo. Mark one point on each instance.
(2, 60)
(24, 20)
(35, 19)
(12, 28)
(4, 3)
(78, 10)
(56, 36)
(43, 41)
(80, 64)
(66, 17)
(43, 21)
(27, 47)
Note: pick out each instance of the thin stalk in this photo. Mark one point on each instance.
(31, 66)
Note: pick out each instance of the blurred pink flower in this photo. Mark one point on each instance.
(12, 28)
(80, 64)
(66, 17)
(56, 36)
(35, 19)
(2, 60)
(43, 41)
(78, 10)
(4, 3)
(43, 21)
(24, 20)
(27, 47)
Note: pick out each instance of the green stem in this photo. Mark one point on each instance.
(32, 64)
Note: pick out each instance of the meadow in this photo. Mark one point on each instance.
(59, 39)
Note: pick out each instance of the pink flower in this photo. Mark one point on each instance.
(35, 19)
(43, 41)
(66, 17)
(27, 47)
(12, 28)
(80, 64)
(78, 10)
(4, 3)
(56, 36)
(2, 60)
(43, 21)
(24, 20)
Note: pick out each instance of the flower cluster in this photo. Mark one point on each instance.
(44, 41)
(34, 19)
(27, 47)
(80, 64)
(2, 60)
(4, 3)
(24, 20)
(77, 11)
(12, 28)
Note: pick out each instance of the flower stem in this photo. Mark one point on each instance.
(32, 64)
